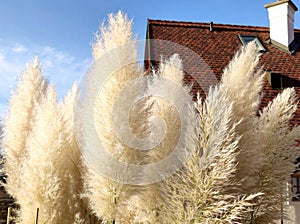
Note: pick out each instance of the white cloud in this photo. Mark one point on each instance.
(8, 73)
(60, 67)
(19, 48)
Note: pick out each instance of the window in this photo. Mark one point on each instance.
(295, 185)
(274, 79)
(245, 39)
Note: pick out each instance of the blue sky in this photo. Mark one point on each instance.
(60, 31)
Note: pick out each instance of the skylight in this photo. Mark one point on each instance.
(245, 39)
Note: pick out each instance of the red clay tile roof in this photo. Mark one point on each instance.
(218, 47)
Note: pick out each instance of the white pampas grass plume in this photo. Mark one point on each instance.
(204, 190)
(278, 150)
(107, 198)
(172, 104)
(42, 161)
(72, 163)
(267, 148)
(20, 121)
(243, 82)
(50, 177)
(117, 33)
(238, 173)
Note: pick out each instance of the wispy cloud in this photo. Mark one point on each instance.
(9, 70)
(19, 48)
(60, 67)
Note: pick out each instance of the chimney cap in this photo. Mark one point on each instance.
(279, 2)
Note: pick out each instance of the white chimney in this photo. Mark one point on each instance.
(281, 17)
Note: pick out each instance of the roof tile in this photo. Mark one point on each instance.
(218, 47)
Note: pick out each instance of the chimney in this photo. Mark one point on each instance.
(281, 18)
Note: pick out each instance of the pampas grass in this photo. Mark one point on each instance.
(267, 151)
(108, 199)
(20, 121)
(238, 162)
(239, 172)
(278, 151)
(204, 191)
(42, 161)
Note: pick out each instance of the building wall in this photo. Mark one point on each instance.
(294, 213)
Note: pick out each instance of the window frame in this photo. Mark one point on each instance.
(255, 38)
(295, 186)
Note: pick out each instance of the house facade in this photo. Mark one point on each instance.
(216, 45)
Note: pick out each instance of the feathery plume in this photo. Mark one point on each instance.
(19, 123)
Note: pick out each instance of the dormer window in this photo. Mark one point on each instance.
(274, 79)
(245, 39)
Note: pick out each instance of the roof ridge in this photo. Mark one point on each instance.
(206, 24)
